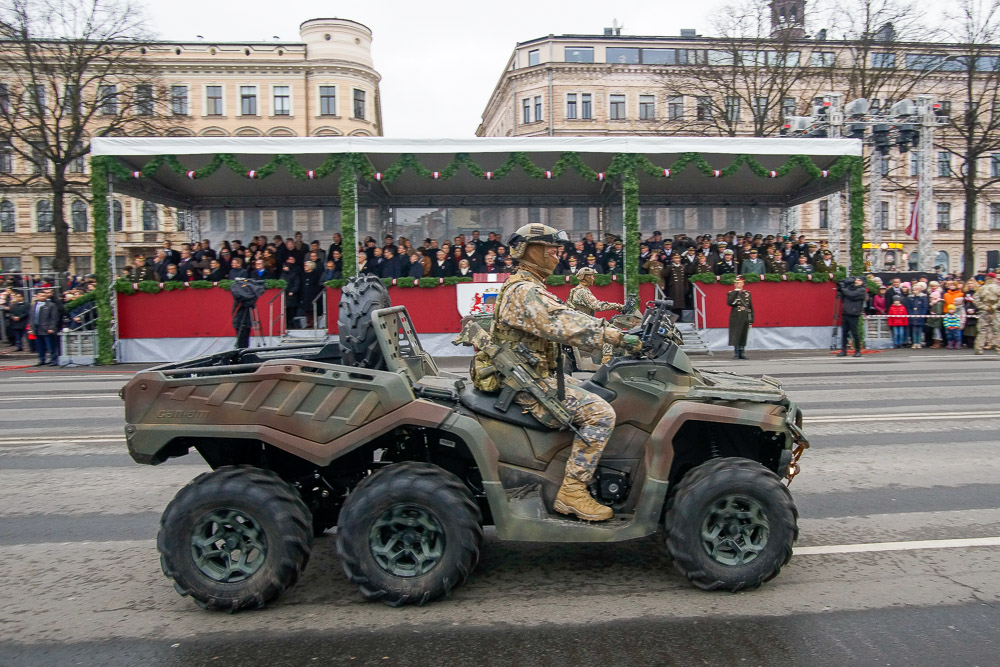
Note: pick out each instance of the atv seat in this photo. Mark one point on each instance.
(484, 403)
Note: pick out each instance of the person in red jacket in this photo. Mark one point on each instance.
(898, 321)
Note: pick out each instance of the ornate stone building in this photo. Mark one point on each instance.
(611, 84)
(325, 84)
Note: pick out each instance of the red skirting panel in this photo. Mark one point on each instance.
(781, 304)
(190, 313)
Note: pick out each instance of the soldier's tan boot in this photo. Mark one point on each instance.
(573, 498)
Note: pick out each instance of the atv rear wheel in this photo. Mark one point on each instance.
(358, 338)
(408, 534)
(235, 538)
(730, 525)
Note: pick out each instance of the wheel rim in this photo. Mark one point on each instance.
(735, 531)
(228, 545)
(406, 541)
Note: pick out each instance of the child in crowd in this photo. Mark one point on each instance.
(898, 321)
(952, 328)
(919, 308)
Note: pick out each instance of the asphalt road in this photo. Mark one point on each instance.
(896, 564)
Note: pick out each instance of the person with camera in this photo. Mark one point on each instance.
(852, 293)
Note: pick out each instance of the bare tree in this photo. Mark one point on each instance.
(71, 69)
(751, 78)
(973, 26)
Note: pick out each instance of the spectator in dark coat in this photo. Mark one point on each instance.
(331, 272)
(19, 312)
(173, 274)
(312, 288)
(442, 268)
(390, 265)
(292, 275)
(415, 269)
(675, 282)
(43, 320)
(236, 270)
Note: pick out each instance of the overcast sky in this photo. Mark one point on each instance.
(439, 60)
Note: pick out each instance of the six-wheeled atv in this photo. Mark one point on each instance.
(410, 463)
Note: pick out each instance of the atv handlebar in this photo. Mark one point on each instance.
(657, 330)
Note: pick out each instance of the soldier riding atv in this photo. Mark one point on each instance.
(410, 463)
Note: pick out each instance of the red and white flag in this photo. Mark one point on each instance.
(913, 229)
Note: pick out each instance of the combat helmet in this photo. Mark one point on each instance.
(535, 232)
(586, 271)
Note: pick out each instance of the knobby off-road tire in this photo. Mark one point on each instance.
(262, 538)
(409, 534)
(730, 525)
(358, 338)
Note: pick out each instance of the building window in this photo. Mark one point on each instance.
(732, 109)
(675, 107)
(824, 214)
(150, 218)
(71, 99)
(579, 54)
(916, 162)
(538, 107)
(328, 100)
(179, 100)
(38, 97)
(4, 98)
(647, 218)
(616, 109)
(647, 107)
(571, 105)
(994, 216)
(581, 217)
(823, 58)
(39, 161)
(586, 108)
(359, 104)
(526, 109)
(10, 264)
(248, 100)
(107, 100)
(995, 165)
(83, 265)
(884, 215)
(116, 210)
(624, 56)
(787, 107)
(703, 108)
(6, 159)
(8, 221)
(659, 57)
(883, 60)
(283, 101)
(760, 108)
(944, 164)
(943, 216)
(78, 165)
(885, 165)
(43, 215)
(144, 100)
(533, 57)
(213, 100)
(676, 218)
(79, 215)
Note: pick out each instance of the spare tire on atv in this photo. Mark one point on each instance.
(358, 340)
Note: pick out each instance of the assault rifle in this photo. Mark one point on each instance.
(516, 366)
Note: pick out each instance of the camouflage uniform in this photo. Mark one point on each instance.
(988, 306)
(528, 313)
(582, 299)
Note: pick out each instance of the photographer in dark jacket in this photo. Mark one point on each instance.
(852, 293)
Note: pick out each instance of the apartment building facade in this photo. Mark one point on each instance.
(325, 84)
(612, 84)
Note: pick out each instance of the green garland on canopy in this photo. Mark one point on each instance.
(127, 287)
(729, 278)
(102, 261)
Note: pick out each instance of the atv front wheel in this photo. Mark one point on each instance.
(235, 538)
(358, 337)
(408, 534)
(730, 525)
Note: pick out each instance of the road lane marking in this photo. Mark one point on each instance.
(915, 545)
(61, 397)
(116, 437)
(910, 416)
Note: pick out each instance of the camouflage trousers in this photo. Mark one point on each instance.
(988, 335)
(592, 416)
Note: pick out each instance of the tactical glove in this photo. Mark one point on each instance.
(632, 343)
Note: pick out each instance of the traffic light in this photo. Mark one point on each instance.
(880, 134)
